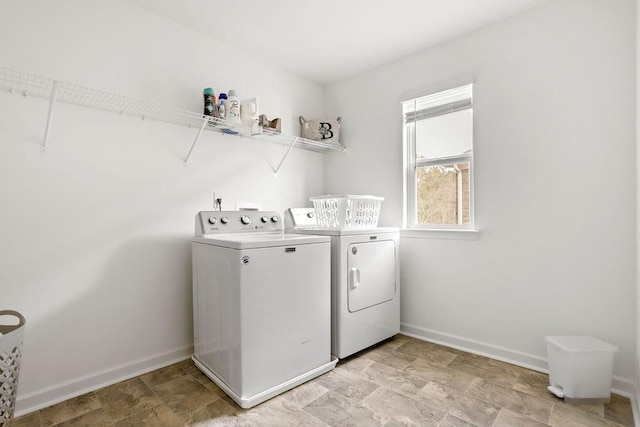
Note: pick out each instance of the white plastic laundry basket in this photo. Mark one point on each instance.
(10, 355)
(347, 211)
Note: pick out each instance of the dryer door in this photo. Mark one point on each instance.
(371, 273)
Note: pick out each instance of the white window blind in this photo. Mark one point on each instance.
(437, 104)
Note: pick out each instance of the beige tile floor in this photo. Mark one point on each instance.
(399, 382)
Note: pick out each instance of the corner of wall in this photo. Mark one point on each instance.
(636, 410)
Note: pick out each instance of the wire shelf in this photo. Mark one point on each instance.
(33, 85)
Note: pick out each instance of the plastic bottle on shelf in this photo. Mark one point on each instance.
(233, 112)
(210, 107)
(222, 106)
(250, 111)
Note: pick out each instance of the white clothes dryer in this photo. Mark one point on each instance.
(261, 304)
(365, 283)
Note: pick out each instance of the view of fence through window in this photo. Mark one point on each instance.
(443, 194)
(439, 131)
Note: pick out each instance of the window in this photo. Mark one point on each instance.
(438, 131)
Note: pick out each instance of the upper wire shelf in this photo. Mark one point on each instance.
(55, 90)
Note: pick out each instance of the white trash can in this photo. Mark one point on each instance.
(580, 368)
(10, 354)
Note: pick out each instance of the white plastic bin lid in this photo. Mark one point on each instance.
(581, 343)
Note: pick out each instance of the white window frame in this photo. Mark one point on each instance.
(411, 164)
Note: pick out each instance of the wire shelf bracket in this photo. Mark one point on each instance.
(52, 104)
(275, 172)
(195, 141)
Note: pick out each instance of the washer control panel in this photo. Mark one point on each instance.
(210, 222)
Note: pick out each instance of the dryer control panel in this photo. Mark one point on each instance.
(300, 218)
(211, 222)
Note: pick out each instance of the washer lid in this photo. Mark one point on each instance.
(259, 240)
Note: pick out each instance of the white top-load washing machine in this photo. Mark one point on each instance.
(261, 304)
(365, 285)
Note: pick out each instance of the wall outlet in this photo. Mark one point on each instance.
(217, 200)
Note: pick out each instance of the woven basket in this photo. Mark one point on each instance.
(323, 130)
(10, 355)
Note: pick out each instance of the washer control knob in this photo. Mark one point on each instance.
(224, 220)
(264, 219)
(212, 220)
(245, 220)
(310, 214)
(274, 218)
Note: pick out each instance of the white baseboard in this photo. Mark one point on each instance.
(26, 403)
(622, 386)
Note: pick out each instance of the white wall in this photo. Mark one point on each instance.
(637, 364)
(555, 181)
(96, 231)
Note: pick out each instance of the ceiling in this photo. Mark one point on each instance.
(328, 40)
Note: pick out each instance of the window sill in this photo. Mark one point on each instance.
(437, 233)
